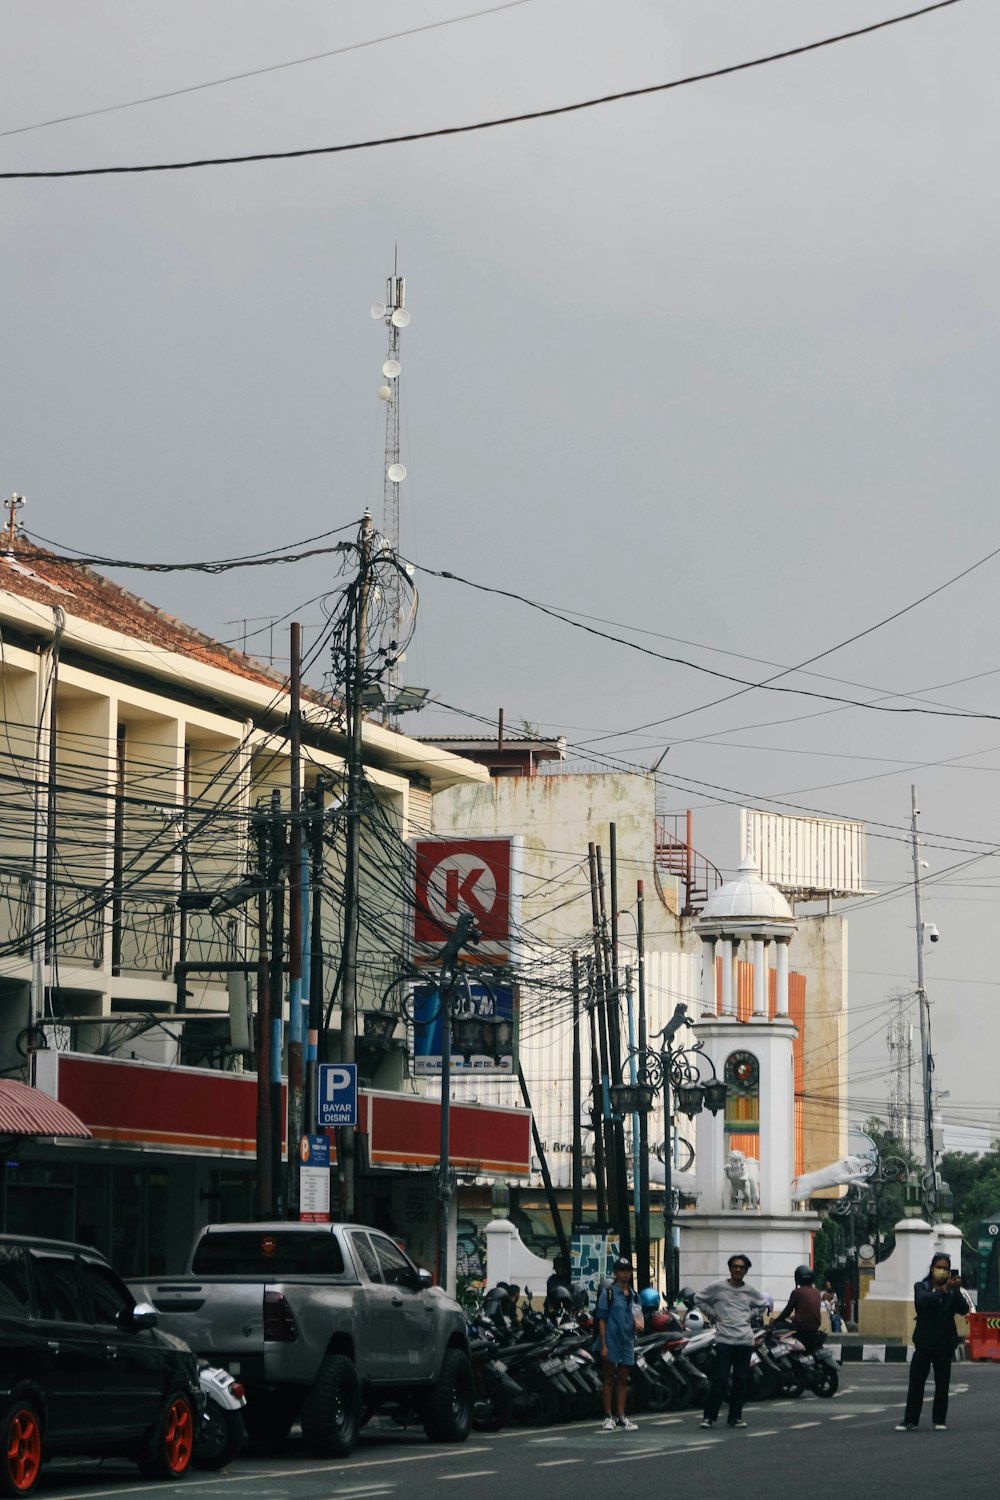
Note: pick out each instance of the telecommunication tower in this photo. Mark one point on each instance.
(394, 314)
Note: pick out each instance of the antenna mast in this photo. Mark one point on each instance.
(395, 316)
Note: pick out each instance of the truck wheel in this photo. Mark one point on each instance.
(21, 1435)
(331, 1414)
(448, 1413)
(268, 1416)
(167, 1451)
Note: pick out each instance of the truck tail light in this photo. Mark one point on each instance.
(279, 1324)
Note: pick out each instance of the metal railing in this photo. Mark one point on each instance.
(673, 854)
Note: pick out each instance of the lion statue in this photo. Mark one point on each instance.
(743, 1173)
(849, 1169)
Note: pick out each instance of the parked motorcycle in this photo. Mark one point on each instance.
(222, 1432)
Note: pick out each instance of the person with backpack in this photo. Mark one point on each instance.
(618, 1314)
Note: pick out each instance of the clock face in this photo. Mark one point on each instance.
(742, 1071)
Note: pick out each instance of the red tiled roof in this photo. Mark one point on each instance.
(48, 579)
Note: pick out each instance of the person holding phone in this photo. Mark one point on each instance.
(938, 1299)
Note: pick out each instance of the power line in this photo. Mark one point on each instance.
(295, 62)
(449, 130)
(768, 684)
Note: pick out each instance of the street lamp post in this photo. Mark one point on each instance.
(677, 1070)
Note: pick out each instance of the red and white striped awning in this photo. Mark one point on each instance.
(27, 1111)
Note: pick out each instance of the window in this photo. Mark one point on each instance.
(366, 1255)
(277, 1252)
(14, 1294)
(107, 1294)
(58, 1290)
(396, 1269)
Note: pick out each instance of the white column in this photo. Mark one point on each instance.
(781, 978)
(709, 996)
(728, 998)
(759, 978)
(736, 976)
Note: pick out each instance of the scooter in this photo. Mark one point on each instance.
(222, 1432)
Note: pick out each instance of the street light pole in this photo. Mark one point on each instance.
(677, 1071)
(465, 932)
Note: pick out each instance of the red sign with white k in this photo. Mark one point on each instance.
(465, 875)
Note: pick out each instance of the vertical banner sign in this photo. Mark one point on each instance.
(314, 1179)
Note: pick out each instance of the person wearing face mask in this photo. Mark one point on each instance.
(938, 1300)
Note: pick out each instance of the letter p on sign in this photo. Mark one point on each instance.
(338, 1094)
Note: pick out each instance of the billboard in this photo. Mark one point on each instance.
(481, 876)
(425, 1034)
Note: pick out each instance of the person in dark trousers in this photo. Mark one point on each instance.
(804, 1309)
(616, 1324)
(938, 1299)
(732, 1304)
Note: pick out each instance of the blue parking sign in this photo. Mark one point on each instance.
(338, 1094)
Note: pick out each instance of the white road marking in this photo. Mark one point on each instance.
(553, 1463)
(665, 1421)
(768, 1432)
(795, 1425)
(624, 1458)
(844, 1416)
(472, 1474)
(561, 1439)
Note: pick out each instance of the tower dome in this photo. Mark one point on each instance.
(748, 898)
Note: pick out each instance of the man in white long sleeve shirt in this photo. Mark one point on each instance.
(731, 1303)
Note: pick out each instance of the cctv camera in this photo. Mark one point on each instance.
(933, 933)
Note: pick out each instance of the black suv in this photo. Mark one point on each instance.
(84, 1370)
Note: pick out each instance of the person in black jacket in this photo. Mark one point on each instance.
(938, 1299)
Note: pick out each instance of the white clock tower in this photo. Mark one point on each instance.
(745, 1158)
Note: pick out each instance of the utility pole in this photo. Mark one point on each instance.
(264, 1204)
(642, 1219)
(608, 946)
(276, 882)
(315, 952)
(295, 1075)
(354, 691)
(602, 1101)
(926, 1057)
(577, 1165)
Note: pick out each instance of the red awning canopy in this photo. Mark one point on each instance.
(27, 1111)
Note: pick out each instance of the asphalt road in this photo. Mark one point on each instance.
(820, 1446)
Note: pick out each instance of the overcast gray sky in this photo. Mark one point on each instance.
(719, 364)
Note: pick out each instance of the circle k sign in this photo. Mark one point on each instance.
(466, 875)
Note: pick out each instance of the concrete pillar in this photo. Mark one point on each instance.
(781, 978)
(759, 978)
(728, 967)
(735, 949)
(709, 997)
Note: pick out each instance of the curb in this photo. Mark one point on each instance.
(887, 1354)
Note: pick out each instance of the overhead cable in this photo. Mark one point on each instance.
(447, 130)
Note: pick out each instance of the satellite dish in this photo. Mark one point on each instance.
(378, 309)
(385, 393)
(396, 473)
(400, 318)
(391, 368)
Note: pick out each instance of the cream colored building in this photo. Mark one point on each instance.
(134, 752)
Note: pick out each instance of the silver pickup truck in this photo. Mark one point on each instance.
(329, 1323)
